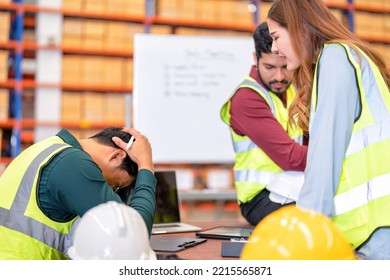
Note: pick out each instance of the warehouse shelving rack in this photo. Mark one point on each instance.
(17, 48)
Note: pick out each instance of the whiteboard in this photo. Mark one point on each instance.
(180, 85)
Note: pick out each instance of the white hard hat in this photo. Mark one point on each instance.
(111, 231)
(286, 186)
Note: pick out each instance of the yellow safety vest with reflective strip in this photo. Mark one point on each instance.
(25, 231)
(253, 169)
(362, 199)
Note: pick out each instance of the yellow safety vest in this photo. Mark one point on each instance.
(253, 169)
(25, 231)
(362, 199)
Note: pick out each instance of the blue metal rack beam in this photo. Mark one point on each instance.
(351, 19)
(17, 96)
(256, 13)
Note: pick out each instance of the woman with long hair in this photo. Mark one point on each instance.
(343, 102)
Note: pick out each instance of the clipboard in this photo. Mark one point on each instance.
(225, 232)
(173, 244)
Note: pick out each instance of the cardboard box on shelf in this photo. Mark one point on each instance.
(71, 106)
(114, 37)
(387, 27)
(168, 8)
(190, 10)
(3, 65)
(93, 43)
(93, 107)
(265, 6)
(113, 71)
(128, 73)
(71, 41)
(116, 29)
(72, 66)
(3, 74)
(114, 108)
(94, 28)
(93, 34)
(113, 43)
(225, 10)
(4, 58)
(161, 29)
(92, 70)
(241, 15)
(207, 11)
(72, 5)
(72, 33)
(73, 27)
(4, 104)
(362, 23)
(115, 6)
(94, 6)
(5, 23)
(187, 31)
(131, 30)
(134, 7)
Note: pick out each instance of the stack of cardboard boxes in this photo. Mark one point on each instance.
(100, 73)
(99, 34)
(93, 107)
(207, 11)
(120, 7)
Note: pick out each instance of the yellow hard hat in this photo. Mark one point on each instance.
(291, 233)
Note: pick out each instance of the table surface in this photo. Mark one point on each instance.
(209, 250)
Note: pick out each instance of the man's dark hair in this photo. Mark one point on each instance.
(104, 137)
(263, 41)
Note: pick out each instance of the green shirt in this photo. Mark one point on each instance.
(72, 183)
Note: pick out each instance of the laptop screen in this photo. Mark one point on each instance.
(167, 198)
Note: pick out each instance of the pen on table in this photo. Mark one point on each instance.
(130, 142)
(188, 244)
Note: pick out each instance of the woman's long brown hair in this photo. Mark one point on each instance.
(311, 25)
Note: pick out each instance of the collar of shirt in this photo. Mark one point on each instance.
(69, 138)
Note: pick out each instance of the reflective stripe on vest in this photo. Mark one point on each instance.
(253, 169)
(247, 144)
(30, 226)
(362, 200)
(251, 83)
(259, 176)
(362, 194)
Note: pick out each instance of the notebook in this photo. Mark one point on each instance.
(167, 218)
(226, 232)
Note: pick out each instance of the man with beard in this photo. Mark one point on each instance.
(266, 140)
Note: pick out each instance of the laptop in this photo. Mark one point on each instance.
(167, 218)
